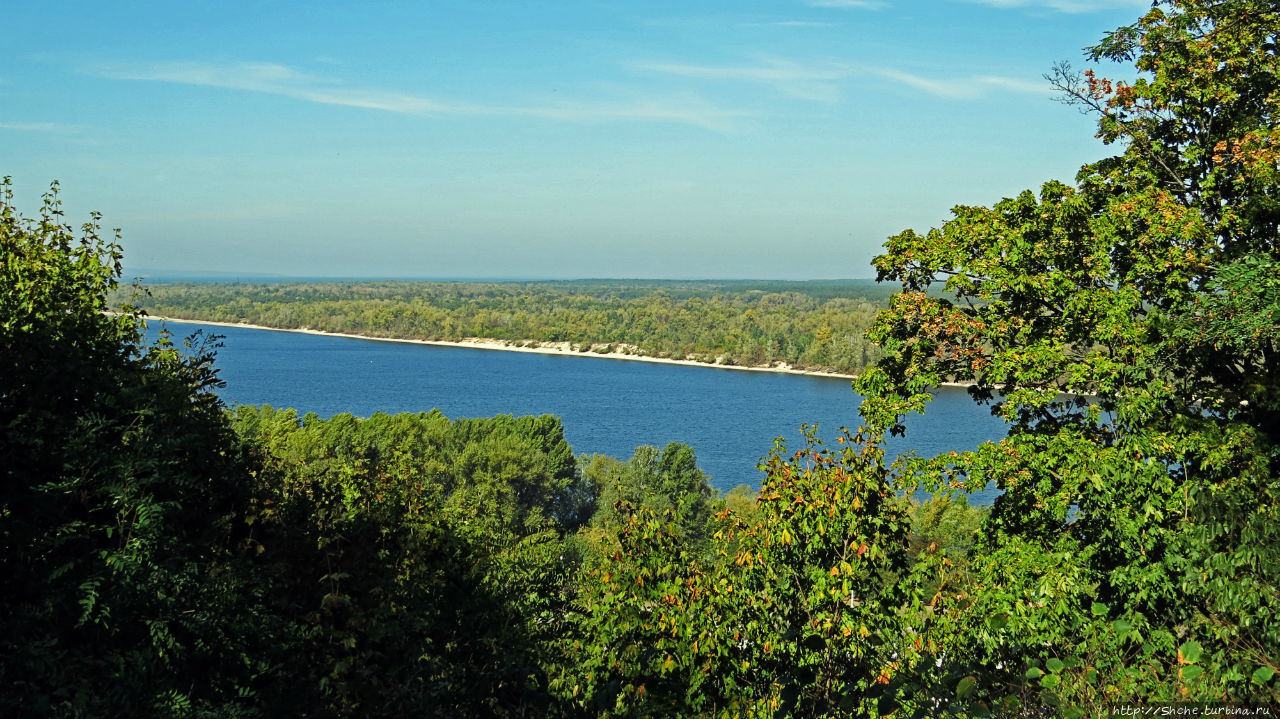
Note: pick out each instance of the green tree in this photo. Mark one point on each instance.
(714, 322)
(794, 611)
(412, 564)
(1121, 326)
(122, 496)
(666, 480)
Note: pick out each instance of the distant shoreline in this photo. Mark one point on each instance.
(549, 348)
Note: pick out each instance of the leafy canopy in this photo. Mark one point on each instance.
(1126, 328)
(121, 495)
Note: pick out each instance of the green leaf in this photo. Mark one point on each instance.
(1054, 665)
(1189, 652)
(1189, 673)
(965, 687)
(1121, 626)
(1050, 681)
(998, 622)
(1034, 673)
(1099, 610)
(1262, 675)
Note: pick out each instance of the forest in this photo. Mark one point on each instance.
(813, 325)
(166, 555)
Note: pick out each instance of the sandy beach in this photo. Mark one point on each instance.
(551, 348)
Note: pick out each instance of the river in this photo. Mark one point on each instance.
(608, 406)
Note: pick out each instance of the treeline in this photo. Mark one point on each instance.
(817, 325)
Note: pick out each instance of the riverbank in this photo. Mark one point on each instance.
(617, 352)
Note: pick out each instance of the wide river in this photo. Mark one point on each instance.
(608, 406)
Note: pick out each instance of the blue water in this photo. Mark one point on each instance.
(608, 406)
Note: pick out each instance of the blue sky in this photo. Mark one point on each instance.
(781, 140)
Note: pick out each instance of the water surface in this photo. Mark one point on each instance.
(608, 406)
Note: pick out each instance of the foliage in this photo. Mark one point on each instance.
(793, 614)
(666, 481)
(947, 525)
(414, 563)
(121, 495)
(1134, 551)
(164, 559)
(161, 561)
(817, 325)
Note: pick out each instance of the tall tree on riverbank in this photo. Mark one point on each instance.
(1136, 550)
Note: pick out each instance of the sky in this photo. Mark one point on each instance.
(783, 139)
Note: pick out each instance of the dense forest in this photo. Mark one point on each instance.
(165, 555)
(815, 325)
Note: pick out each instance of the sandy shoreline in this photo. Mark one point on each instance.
(550, 348)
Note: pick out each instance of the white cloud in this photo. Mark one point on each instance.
(864, 4)
(962, 88)
(932, 86)
(277, 80)
(789, 23)
(816, 82)
(689, 111)
(1068, 6)
(1013, 84)
(822, 81)
(40, 127)
(282, 80)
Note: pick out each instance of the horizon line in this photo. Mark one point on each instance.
(172, 275)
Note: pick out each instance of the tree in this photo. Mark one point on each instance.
(660, 480)
(122, 495)
(412, 564)
(796, 609)
(1125, 327)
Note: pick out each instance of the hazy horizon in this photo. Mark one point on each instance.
(781, 140)
(172, 275)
